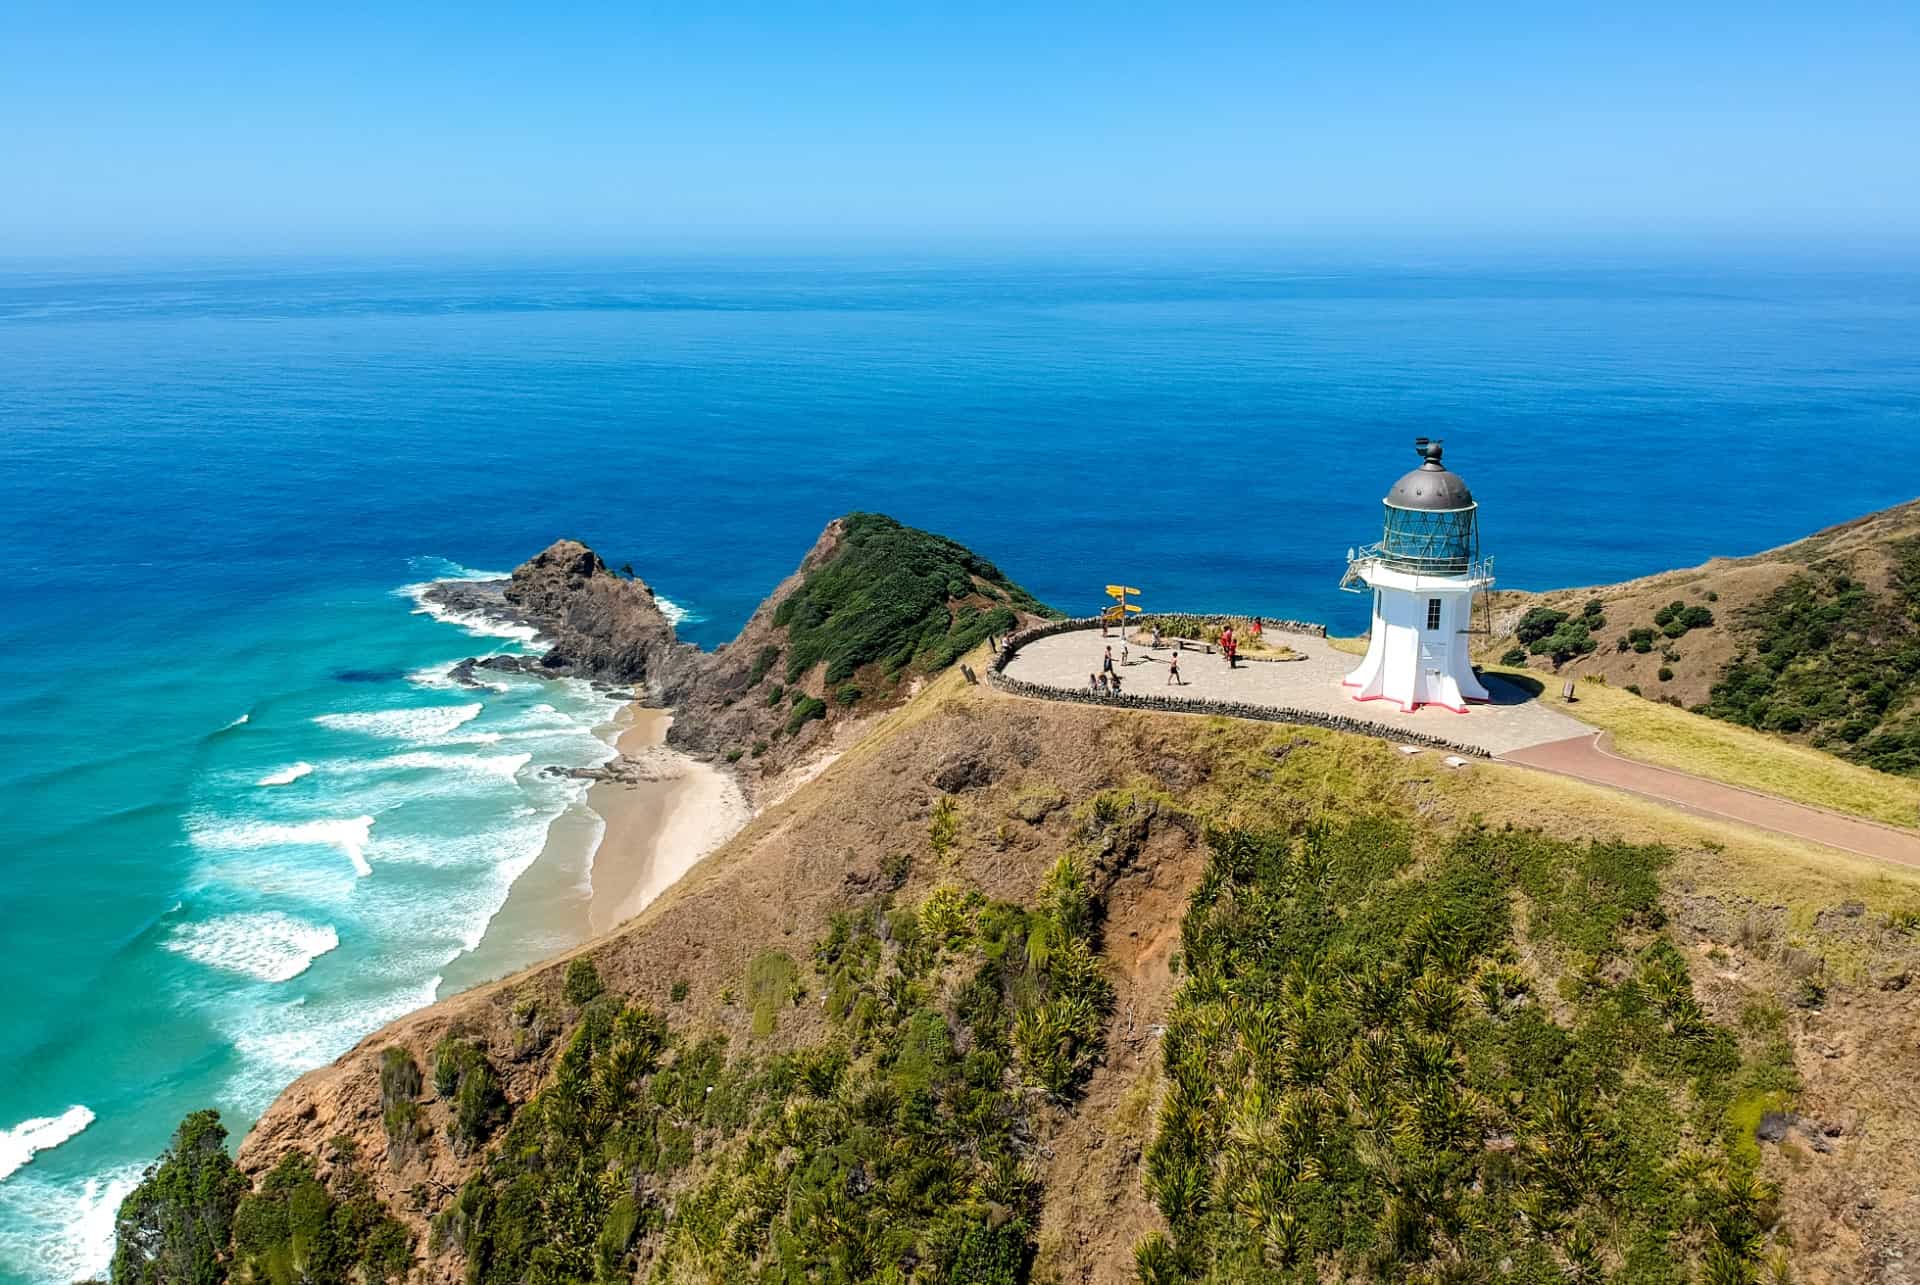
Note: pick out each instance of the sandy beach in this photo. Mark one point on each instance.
(606, 859)
(657, 827)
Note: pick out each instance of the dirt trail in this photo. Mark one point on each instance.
(1588, 758)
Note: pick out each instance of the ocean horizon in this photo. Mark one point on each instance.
(250, 819)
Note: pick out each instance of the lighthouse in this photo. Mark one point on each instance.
(1423, 575)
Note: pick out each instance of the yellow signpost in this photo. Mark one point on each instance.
(1122, 608)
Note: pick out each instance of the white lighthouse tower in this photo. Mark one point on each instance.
(1423, 574)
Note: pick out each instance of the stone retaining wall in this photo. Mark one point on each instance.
(995, 678)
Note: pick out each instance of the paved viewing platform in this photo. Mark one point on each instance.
(1513, 720)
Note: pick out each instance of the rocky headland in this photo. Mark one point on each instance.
(877, 606)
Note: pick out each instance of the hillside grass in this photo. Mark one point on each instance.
(1722, 751)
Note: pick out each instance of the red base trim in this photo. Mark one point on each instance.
(1416, 707)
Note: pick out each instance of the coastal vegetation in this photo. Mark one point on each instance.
(891, 1148)
(894, 597)
(195, 1219)
(1829, 657)
(1389, 1069)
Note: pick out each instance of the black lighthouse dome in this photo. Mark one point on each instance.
(1431, 525)
(1431, 486)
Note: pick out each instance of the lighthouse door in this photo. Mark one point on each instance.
(1433, 643)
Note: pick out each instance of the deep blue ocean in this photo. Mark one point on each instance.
(218, 484)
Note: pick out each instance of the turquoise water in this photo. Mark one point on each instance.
(216, 486)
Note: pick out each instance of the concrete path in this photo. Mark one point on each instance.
(1512, 721)
(1587, 758)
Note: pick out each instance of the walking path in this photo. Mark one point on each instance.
(1513, 728)
(1587, 758)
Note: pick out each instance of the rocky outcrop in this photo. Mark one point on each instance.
(596, 624)
(748, 702)
(722, 708)
(592, 623)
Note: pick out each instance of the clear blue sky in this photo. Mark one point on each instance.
(193, 127)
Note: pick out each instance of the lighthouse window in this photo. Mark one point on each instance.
(1433, 613)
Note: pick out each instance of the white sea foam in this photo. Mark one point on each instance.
(434, 676)
(471, 738)
(402, 724)
(503, 766)
(61, 1231)
(236, 722)
(286, 775)
(269, 945)
(279, 1043)
(471, 623)
(676, 614)
(349, 835)
(20, 1143)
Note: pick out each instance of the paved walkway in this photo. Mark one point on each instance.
(1514, 720)
(1588, 758)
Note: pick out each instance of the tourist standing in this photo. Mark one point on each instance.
(1156, 635)
(1173, 672)
(1106, 662)
(1116, 684)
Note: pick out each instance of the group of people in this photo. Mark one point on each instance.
(1107, 681)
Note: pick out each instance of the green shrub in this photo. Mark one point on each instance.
(759, 748)
(774, 695)
(733, 755)
(943, 829)
(762, 662)
(804, 712)
(1538, 623)
(400, 1114)
(1514, 656)
(1571, 638)
(173, 1228)
(679, 992)
(297, 1229)
(849, 694)
(1666, 674)
(772, 984)
(583, 982)
(463, 1077)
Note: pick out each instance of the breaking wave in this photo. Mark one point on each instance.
(402, 724)
(30, 1137)
(286, 775)
(348, 835)
(267, 945)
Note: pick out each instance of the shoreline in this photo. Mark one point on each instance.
(630, 837)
